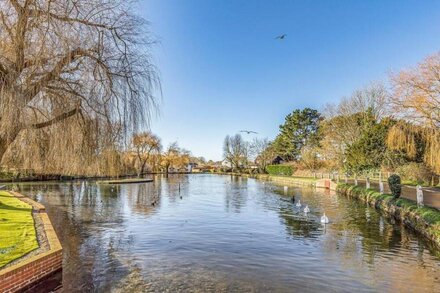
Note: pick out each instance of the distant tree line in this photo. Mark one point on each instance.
(391, 126)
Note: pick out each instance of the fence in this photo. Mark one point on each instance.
(429, 196)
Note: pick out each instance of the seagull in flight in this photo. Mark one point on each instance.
(248, 131)
(281, 37)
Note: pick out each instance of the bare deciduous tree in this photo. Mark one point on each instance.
(373, 98)
(310, 158)
(235, 151)
(342, 126)
(83, 63)
(416, 100)
(175, 157)
(416, 95)
(262, 152)
(144, 145)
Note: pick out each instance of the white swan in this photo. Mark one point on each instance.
(298, 204)
(306, 209)
(324, 219)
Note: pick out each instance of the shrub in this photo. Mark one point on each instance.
(395, 186)
(286, 170)
(415, 172)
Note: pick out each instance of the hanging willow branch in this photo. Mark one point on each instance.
(402, 137)
(76, 80)
(415, 140)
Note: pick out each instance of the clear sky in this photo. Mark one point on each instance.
(223, 71)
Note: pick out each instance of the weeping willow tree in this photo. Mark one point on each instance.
(416, 101)
(418, 143)
(76, 79)
(404, 137)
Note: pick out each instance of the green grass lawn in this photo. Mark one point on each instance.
(415, 183)
(17, 231)
(311, 179)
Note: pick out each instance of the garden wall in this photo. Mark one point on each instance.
(28, 273)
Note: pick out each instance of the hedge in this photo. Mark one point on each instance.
(285, 170)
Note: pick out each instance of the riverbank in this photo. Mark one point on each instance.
(33, 266)
(288, 180)
(17, 229)
(423, 220)
(125, 181)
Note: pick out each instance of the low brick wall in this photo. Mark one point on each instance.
(26, 274)
(326, 183)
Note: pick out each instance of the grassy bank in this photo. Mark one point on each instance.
(277, 178)
(424, 220)
(125, 181)
(17, 231)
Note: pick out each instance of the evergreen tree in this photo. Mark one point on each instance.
(299, 129)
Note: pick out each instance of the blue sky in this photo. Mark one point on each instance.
(223, 71)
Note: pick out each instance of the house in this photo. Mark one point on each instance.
(192, 166)
(277, 160)
(226, 163)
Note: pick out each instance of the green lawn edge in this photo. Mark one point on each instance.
(422, 218)
(18, 235)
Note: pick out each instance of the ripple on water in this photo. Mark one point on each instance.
(225, 233)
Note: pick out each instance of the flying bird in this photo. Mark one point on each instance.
(248, 131)
(281, 37)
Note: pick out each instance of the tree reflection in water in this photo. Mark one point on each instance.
(227, 232)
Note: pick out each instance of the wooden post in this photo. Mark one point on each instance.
(419, 195)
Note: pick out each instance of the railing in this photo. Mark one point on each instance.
(429, 196)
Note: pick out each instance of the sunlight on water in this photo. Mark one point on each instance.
(224, 233)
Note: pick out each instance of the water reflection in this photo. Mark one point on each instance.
(143, 198)
(221, 233)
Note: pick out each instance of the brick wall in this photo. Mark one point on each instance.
(26, 274)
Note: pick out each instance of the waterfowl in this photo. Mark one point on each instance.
(324, 219)
(298, 204)
(306, 209)
(293, 199)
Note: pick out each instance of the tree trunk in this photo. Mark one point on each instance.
(142, 168)
(3, 148)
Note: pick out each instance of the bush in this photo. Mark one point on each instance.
(286, 170)
(415, 172)
(395, 186)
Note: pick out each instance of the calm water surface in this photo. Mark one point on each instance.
(228, 234)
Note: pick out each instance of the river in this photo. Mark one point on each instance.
(217, 233)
